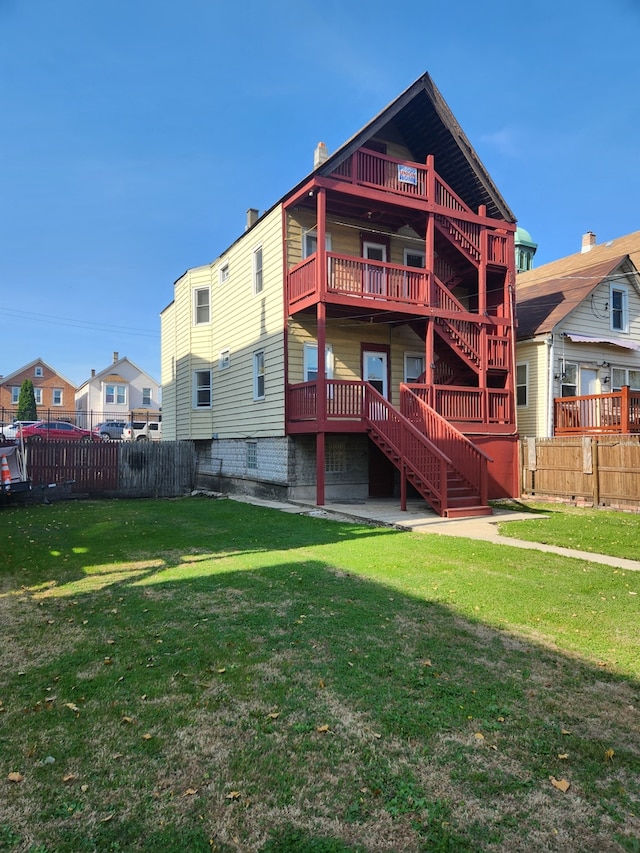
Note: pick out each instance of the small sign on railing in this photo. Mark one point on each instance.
(408, 175)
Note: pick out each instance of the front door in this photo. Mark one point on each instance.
(375, 367)
(374, 276)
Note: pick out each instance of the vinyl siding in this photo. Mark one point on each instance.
(240, 322)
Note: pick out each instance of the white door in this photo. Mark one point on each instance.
(588, 381)
(374, 370)
(374, 277)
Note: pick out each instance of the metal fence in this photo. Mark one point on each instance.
(86, 420)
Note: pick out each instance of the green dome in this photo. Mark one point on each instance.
(523, 238)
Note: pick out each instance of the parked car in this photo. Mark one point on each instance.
(142, 431)
(8, 432)
(53, 431)
(109, 430)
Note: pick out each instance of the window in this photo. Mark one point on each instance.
(257, 270)
(201, 312)
(522, 384)
(252, 455)
(116, 394)
(621, 376)
(37, 392)
(311, 362)
(202, 389)
(146, 396)
(258, 376)
(310, 242)
(335, 458)
(223, 273)
(224, 359)
(569, 386)
(15, 395)
(413, 367)
(56, 396)
(38, 371)
(619, 313)
(414, 258)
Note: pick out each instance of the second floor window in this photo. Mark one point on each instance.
(56, 396)
(146, 396)
(311, 362)
(201, 309)
(202, 389)
(310, 242)
(258, 376)
(116, 395)
(38, 395)
(15, 394)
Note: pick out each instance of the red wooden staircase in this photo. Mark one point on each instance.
(444, 467)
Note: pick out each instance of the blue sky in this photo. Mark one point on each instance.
(136, 133)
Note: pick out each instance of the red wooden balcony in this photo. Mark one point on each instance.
(472, 409)
(617, 413)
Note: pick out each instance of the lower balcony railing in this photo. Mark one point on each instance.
(617, 413)
(473, 407)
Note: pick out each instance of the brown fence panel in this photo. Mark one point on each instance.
(114, 469)
(595, 471)
(89, 466)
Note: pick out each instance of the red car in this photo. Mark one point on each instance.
(53, 431)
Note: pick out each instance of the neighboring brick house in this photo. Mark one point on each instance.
(121, 391)
(54, 393)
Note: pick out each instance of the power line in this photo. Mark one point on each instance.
(31, 317)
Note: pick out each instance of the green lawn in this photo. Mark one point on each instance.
(191, 675)
(598, 531)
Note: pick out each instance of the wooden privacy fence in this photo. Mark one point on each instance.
(588, 470)
(114, 469)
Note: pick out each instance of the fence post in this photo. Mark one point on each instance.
(595, 471)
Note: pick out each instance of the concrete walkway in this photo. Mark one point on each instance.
(419, 518)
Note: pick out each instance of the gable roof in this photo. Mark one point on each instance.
(544, 300)
(423, 120)
(110, 373)
(5, 379)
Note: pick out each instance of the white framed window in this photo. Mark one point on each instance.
(252, 455)
(522, 384)
(413, 367)
(223, 273)
(310, 242)
(257, 270)
(258, 375)
(621, 376)
(15, 395)
(569, 387)
(414, 258)
(201, 306)
(38, 395)
(116, 394)
(310, 361)
(224, 359)
(201, 389)
(146, 396)
(619, 308)
(38, 371)
(56, 396)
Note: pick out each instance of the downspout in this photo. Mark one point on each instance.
(551, 360)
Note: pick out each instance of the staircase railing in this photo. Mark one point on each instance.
(426, 465)
(466, 458)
